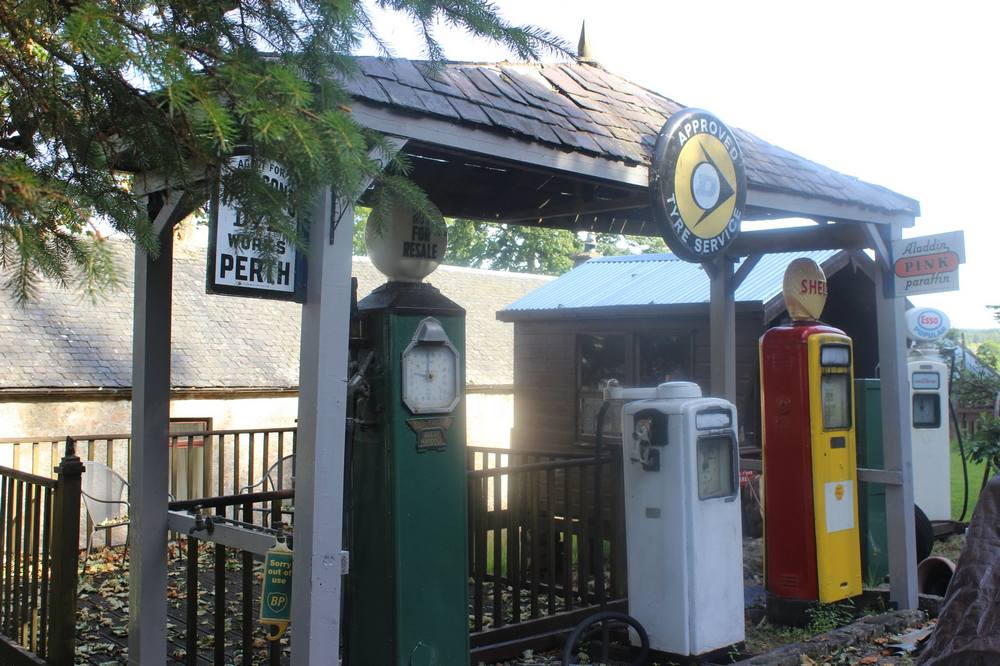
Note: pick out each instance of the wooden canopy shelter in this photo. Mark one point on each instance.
(556, 145)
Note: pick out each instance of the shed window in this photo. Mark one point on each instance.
(648, 358)
(601, 357)
(663, 358)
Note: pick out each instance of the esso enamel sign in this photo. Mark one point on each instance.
(926, 324)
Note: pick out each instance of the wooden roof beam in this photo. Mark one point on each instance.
(567, 209)
(840, 236)
(791, 205)
(446, 134)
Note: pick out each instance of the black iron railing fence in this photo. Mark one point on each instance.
(534, 530)
(202, 464)
(536, 537)
(39, 556)
(234, 628)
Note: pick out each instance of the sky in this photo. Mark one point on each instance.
(902, 94)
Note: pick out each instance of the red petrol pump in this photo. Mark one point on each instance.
(811, 537)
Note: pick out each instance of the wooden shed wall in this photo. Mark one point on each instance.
(545, 368)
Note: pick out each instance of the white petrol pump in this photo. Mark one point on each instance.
(682, 513)
(931, 438)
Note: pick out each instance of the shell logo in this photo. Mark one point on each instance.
(838, 491)
(804, 289)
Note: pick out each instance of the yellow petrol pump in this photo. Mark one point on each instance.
(812, 548)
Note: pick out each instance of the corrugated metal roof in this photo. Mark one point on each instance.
(653, 279)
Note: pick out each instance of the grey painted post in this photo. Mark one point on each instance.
(722, 327)
(319, 464)
(896, 445)
(147, 593)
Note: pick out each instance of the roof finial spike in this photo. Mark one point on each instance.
(583, 53)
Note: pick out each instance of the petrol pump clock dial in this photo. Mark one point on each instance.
(430, 369)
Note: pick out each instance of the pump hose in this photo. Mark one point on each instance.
(958, 436)
(603, 618)
(965, 464)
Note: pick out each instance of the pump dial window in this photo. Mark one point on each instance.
(431, 370)
(926, 410)
(430, 379)
(837, 356)
(926, 381)
(716, 467)
(835, 396)
(713, 420)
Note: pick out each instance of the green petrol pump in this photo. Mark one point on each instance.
(871, 496)
(407, 527)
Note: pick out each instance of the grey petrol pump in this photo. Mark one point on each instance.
(682, 513)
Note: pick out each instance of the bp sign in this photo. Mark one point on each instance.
(698, 185)
(276, 590)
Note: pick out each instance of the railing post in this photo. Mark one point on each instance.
(65, 557)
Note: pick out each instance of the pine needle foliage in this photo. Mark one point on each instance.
(92, 91)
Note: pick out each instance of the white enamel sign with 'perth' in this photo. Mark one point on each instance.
(235, 265)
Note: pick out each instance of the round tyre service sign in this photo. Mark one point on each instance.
(698, 185)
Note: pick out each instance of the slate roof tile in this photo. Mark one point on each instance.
(531, 85)
(480, 80)
(498, 79)
(587, 102)
(419, 99)
(377, 67)
(625, 134)
(588, 108)
(469, 111)
(365, 86)
(577, 139)
(61, 340)
(470, 92)
(406, 73)
(589, 126)
(561, 80)
(619, 148)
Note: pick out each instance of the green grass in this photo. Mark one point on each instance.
(975, 481)
(503, 551)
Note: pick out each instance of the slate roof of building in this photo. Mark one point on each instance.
(584, 108)
(645, 280)
(489, 342)
(62, 340)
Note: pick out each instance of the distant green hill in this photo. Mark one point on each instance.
(975, 336)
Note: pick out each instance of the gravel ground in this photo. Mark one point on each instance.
(870, 640)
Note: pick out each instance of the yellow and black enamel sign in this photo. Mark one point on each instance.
(698, 185)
